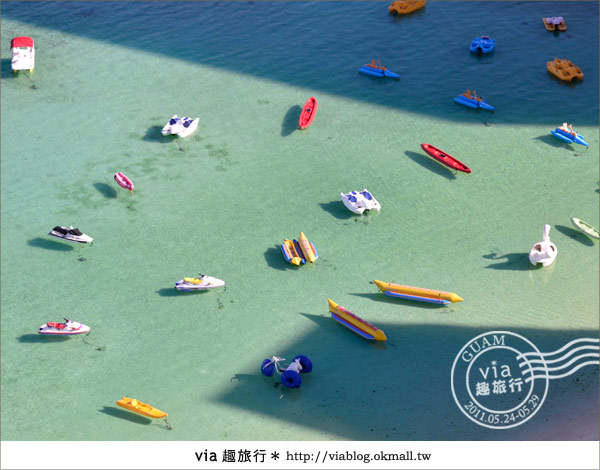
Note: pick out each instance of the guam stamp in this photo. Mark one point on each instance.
(500, 379)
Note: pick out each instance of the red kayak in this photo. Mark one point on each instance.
(124, 182)
(444, 158)
(308, 113)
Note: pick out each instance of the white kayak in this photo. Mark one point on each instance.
(67, 328)
(585, 228)
(204, 282)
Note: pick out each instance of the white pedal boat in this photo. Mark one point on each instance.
(182, 126)
(543, 252)
(70, 234)
(360, 201)
(204, 282)
(67, 328)
(23, 54)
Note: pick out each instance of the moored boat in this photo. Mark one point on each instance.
(564, 69)
(473, 101)
(132, 404)
(299, 251)
(355, 323)
(445, 158)
(543, 252)
(204, 282)
(417, 293)
(377, 70)
(124, 181)
(484, 45)
(307, 116)
(70, 233)
(23, 54)
(360, 201)
(403, 7)
(67, 328)
(585, 228)
(567, 134)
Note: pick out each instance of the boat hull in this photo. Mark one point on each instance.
(141, 408)
(585, 228)
(206, 282)
(568, 137)
(307, 116)
(473, 103)
(124, 182)
(417, 293)
(377, 72)
(445, 158)
(355, 323)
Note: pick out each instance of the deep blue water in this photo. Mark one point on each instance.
(320, 45)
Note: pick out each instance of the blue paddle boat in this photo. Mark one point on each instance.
(568, 135)
(473, 101)
(377, 70)
(484, 45)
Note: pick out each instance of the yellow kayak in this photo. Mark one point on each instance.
(141, 408)
(417, 293)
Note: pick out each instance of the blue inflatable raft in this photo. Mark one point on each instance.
(483, 45)
(567, 137)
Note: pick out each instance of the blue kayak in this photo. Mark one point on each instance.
(473, 103)
(568, 137)
(377, 72)
(484, 45)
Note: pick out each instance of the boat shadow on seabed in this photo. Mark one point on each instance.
(431, 165)
(512, 261)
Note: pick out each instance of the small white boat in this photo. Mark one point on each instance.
(360, 201)
(543, 252)
(585, 228)
(204, 282)
(182, 126)
(23, 54)
(70, 234)
(67, 328)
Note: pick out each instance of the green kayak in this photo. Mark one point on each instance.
(586, 228)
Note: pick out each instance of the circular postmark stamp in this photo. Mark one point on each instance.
(492, 380)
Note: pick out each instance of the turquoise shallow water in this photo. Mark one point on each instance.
(107, 78)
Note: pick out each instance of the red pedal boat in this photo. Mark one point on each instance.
(124, 182)
(308, 113)
(444, 158)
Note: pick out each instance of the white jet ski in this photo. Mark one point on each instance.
(204, 282)
(70, 234)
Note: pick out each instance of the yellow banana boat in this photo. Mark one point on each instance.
(355, 323)
(307, 248)
(417, 293)
(140, 408)
(299, 251)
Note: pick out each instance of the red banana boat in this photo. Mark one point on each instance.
(124, 182)
(308, 113)
(444, 158)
